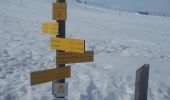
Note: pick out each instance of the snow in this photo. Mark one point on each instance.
(122, 43)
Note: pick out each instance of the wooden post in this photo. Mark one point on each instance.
(141, 83)
(62, 28)
(21, 3)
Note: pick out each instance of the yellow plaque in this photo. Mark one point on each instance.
(59, 11)
(50, 75)
(61, 89)
(70, 57)
(70, 45)
(50, 28)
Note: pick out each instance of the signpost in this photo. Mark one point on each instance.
(50, 75)
(50, 28)
(71, 45)
(67, 51)
(60, 19)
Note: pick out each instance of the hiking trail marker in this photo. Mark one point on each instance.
(60, 89)
(67, 51)
(50, 28)
(59, 11)
(71, 45)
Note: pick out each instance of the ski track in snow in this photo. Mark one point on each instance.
(23, 49)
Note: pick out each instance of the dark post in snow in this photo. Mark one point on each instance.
(60, 35)
(21, 3)
(141, 83)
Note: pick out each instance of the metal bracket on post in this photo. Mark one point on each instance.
(60, 99)
(141, 83)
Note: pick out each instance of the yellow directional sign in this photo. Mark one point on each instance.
(50, 75)
(59, 11)
(50, 28)
(70, 57)
(70, 45)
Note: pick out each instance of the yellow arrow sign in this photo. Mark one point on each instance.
(71, 45)
(50, 75)
(70, 57)
(59, 11)
(50, 28)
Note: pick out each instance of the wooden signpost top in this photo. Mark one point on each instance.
(59, 11)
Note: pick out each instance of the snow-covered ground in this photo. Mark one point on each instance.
(122, 43)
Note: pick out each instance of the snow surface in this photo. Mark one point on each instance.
(122, 43)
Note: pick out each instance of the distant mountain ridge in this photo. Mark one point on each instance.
(155, 7)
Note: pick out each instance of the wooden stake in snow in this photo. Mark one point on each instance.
(141, 84)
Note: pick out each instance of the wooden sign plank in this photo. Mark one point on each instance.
(70, 45)
(70, 57)
(50, 28)
(50, 75)
(59, 11)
